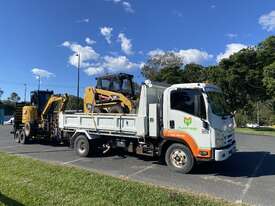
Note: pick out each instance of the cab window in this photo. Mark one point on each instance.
(126, 86)
(188, 100)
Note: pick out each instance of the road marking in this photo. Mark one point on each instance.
(140, 171)
(249, 182)
(72, 161)
(218, 179)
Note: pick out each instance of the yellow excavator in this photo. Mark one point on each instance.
(39, 118)
(113, 93)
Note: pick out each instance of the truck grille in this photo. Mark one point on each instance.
(228, 139)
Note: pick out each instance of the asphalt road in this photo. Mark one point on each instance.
(249, 176)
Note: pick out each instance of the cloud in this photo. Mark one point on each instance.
(127, 7)
(230, 49)
(193, 56)
(213, 6)
(231, 35)
(87, 20)
(90, 41)
(125, 4)
(188, 55)
(155, 52)
(126, 44)
(42, 73)
(107, 33)
(267, 21)
(177, 13)
(120, 63)
(87, 53)
(90, 71)
(112, 64)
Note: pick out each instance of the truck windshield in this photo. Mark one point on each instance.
(218, 103)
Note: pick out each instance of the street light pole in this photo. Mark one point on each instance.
(78, 67)
(25, 92)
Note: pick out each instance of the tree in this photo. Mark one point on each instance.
(1, 93)
(269, 79)
(72, 103)
(194, 73)
(14, 97)
(169, 60)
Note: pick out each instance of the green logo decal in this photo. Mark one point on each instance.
(187, 121)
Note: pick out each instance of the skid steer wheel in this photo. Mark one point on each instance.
(22, 137)
(179, 158)
(97, 110)
(17, 136)
(82, 146)
(116, 109)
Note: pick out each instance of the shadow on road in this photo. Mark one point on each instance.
(241, 164)
(8, 201)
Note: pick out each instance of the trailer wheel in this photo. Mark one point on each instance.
(22, 137)
(17, 136)
(179, 158)
(116, 109)
(82, 146)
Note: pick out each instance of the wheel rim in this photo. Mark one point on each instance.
(178, 158)
(22, 138)
(17, 137)
(81, 147)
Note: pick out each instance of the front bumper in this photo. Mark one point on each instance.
(225, 153)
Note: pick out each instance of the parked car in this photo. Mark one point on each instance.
(252, 125)
(10, 121)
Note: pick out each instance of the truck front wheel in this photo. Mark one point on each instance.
(179, 158)
(82, 146)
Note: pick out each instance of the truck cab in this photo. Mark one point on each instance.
(196, 114)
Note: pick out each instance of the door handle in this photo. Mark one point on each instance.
(172, 124)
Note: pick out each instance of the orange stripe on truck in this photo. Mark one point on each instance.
(180, 135)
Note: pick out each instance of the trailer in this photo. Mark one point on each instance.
(182, 124)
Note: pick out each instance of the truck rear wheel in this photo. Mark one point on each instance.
(82, 146)
(179, 158)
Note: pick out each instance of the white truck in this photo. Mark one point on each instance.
(182, 124)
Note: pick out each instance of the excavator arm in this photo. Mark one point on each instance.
(61, 100)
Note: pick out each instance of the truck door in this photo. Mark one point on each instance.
(186, 115)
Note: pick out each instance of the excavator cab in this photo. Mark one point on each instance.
(40, 98)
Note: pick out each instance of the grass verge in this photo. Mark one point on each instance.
(24, 181)
(266, 131)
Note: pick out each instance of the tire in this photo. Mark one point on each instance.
(116, 109)
(17, 136)
(22, 137)
(97, 110)
(82, 146)
(27, 129)
(179, 158)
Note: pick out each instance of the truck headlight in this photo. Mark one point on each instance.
(219, 139)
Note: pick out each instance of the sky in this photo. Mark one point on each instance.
(42, 38)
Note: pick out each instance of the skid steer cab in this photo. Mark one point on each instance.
(39, 118)
(113, 94)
